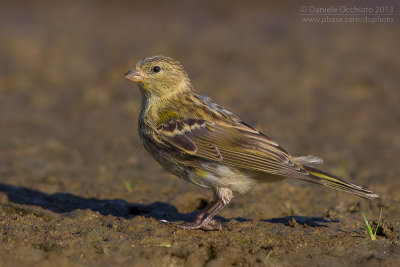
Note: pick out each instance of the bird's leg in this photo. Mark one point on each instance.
(204, 211)
(207, 220)
(203, 220)
(200, 216)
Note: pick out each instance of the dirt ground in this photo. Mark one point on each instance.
(77, 188)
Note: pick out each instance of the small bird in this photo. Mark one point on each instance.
(203, 143)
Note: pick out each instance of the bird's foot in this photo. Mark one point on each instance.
(211, 225)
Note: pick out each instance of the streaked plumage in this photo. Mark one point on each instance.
(203, 143)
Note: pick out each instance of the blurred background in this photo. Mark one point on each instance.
(324, 89)
(68, 120)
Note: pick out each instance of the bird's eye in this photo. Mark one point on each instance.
(156, 69)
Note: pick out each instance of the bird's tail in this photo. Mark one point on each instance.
(329, 180)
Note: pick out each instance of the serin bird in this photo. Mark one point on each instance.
(203, 143)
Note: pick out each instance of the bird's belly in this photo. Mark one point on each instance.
(216, 175)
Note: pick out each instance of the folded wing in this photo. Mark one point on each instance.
(241, 146)
(235, 145)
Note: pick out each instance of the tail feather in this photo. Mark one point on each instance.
(332, 181)
(304, 160)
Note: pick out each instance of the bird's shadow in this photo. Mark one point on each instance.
(293, 221)
(65, 202)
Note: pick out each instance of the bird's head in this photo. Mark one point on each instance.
(159, 76)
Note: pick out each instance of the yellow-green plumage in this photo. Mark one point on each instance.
(166, 115)
(203, 143)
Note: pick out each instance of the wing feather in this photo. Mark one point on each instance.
(182, 142)
(241, 146)
(238, 145)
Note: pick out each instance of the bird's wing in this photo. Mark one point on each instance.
(236, 145)
(242, 146)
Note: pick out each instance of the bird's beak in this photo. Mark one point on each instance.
(134, 76)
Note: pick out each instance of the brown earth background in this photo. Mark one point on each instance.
(77, 188)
